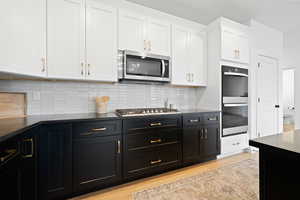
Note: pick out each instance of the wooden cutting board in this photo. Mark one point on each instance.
(12, 105)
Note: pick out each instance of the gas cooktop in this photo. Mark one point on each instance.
(145, 112)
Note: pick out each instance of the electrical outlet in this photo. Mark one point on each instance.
(36, 96)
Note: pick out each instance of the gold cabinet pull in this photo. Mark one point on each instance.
(89, 72)
(118, 146)
(155, 141)
(155, 124)
(212, 119)
(82, 68)
(99, 129)
(32, 148)
(10, 154)
(194, 121)
(43, 64)
(155, 162)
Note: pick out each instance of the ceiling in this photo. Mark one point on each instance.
(283, 15)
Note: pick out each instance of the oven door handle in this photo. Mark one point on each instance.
(235, 104)
(163, 65)
(235, 74)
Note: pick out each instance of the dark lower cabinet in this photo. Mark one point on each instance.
(55, 161)
(96, 162)
(210, 141)
(18, 167)
(191, 144)
(201, 137)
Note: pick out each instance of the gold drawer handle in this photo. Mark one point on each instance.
(156, 124)
(155, 162)
(10, 153)
(32, 148)
(99, 129)
(213, 119)
(155, 141)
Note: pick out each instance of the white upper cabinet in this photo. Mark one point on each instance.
(158, 37)
(66, 39)
(235, 46)
(198, 58)
(131, 31)
(101, 42)
(23, 37)
(180, 66)
(189, 57)
(143, 34)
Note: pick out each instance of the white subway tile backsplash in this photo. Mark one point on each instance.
(79, 97)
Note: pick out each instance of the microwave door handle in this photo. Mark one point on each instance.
(163, 68)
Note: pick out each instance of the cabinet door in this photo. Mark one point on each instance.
(229, 45)
(210, 141)
(101, 42)
(235, 46)
(131, 31)
(180, 66)
(244, 48)
(55, 161)
(23, 37)
(191, 144)
(197, 59)
(159, 37)
(97, 162)
(65, 39)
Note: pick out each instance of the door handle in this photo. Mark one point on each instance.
(155, 162)
(30, 140)
(277, 106)
(155, 124)
(205, 131)
(155, 141)
(10, 154)
(194, 121)
(118, 146)
(99, 129)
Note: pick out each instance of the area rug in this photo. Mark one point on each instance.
(238, 181)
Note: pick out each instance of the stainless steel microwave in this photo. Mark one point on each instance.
(137, 67)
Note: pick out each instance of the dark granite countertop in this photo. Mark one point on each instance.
(14, 126)
(286, 141)
(197, 110)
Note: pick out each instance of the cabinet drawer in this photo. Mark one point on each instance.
(151, 138)
(234, 144)
(211, 118)
(136, 125)
(96, 128)
(148, 160)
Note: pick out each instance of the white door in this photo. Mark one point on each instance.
(180, 63)
(23, 37)
(159, 37)
(66, 39)
(131, 31)
(197, 59)
(267, 93)
(101, 42)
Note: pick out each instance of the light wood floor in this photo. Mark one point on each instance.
(124, 192)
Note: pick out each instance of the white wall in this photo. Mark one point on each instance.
(269, 42)
(292, 60)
